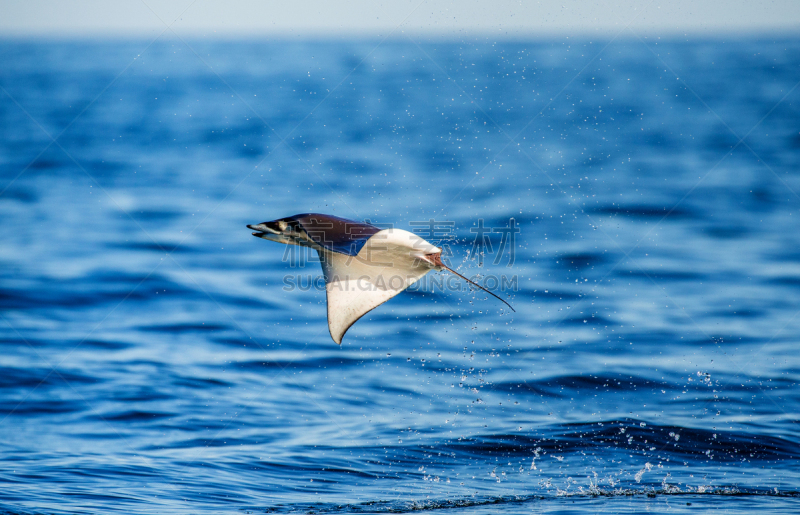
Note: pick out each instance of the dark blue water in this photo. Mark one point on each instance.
(154, 360)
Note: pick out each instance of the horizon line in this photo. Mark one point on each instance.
(780, 32)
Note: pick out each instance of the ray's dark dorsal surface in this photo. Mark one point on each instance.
(331, 232)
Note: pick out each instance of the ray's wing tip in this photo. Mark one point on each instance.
(337, 341)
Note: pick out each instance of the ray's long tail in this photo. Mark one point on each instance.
(436, 259)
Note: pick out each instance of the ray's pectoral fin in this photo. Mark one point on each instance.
(358, 284)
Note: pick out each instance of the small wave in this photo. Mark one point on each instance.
(636, 436)
(499, 502)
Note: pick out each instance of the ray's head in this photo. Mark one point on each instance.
(281, 227)
(283, 230)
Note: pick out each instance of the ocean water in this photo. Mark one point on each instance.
(156, 358)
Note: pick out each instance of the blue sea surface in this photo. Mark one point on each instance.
(156, 358)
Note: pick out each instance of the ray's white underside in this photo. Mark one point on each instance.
(389, 262)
